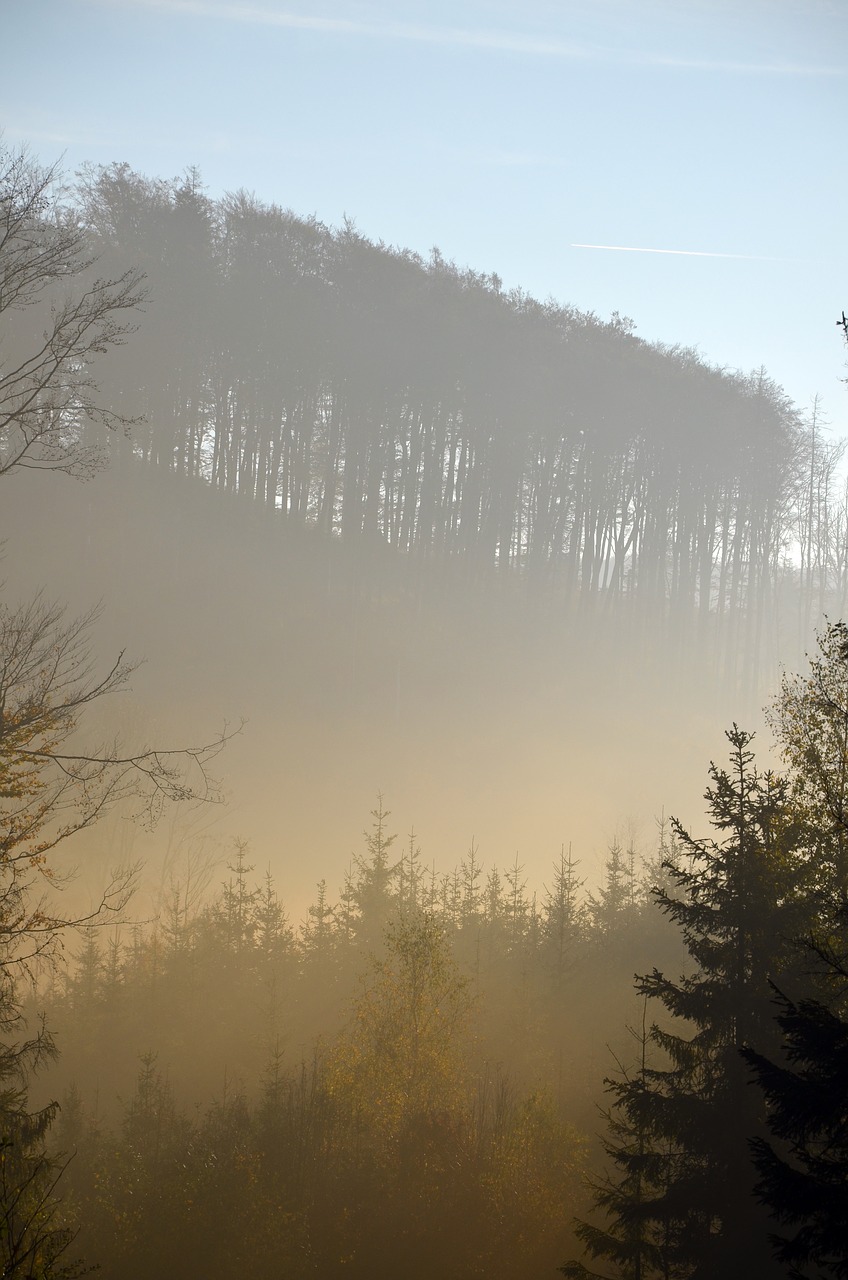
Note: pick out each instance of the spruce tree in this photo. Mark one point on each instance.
(803, 1163)
(563, 919)
(636, 1238)
(34, 1232)
(804, 1167)
(372, 890)
(732, 900)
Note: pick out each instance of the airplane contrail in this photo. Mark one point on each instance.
(685, 253)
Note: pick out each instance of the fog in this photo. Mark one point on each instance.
(420, 606)
(477, 713)
(399, 523)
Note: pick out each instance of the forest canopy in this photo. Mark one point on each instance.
(362, 390)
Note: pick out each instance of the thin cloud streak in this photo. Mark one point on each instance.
(458, 37)
(255, 16)
(682, 253)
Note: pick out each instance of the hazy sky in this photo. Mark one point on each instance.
(506, 133)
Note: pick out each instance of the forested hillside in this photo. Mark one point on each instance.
(358, 389)
(510, 555)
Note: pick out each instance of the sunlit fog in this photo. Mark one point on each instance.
(423, 640)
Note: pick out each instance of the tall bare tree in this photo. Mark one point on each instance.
(56, 318)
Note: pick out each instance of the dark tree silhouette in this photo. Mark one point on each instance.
(803, 1168)
(690, 1191)
(56, 319)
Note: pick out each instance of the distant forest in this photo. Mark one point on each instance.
(388, 1087)
(398, 1086)
(406, 1082)
(366, 392)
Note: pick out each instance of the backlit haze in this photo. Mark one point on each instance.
(677, 163)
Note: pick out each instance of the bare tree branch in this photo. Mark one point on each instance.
(50, 787)
(56, 317)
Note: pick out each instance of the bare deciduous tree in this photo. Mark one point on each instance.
(52, 783)
(56, 318)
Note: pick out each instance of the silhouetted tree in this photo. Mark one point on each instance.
(636, 1239)
(731, 900)
(803, 1168)
(56, 318)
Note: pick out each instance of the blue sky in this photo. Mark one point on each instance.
(505, 133)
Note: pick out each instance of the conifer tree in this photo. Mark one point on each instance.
(563, 917)
(317, 932)
(803, 1168)
(803, 1162)
(635, 1238)
(732, 900)
(471, 879)
(732, 904)
(410, 876)
(609, 907)
(237, 903)
(34, 1238)
(371, 890)
(517, 906)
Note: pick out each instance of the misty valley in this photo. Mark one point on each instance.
(363, 623)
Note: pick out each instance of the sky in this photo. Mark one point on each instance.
(510, 135)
